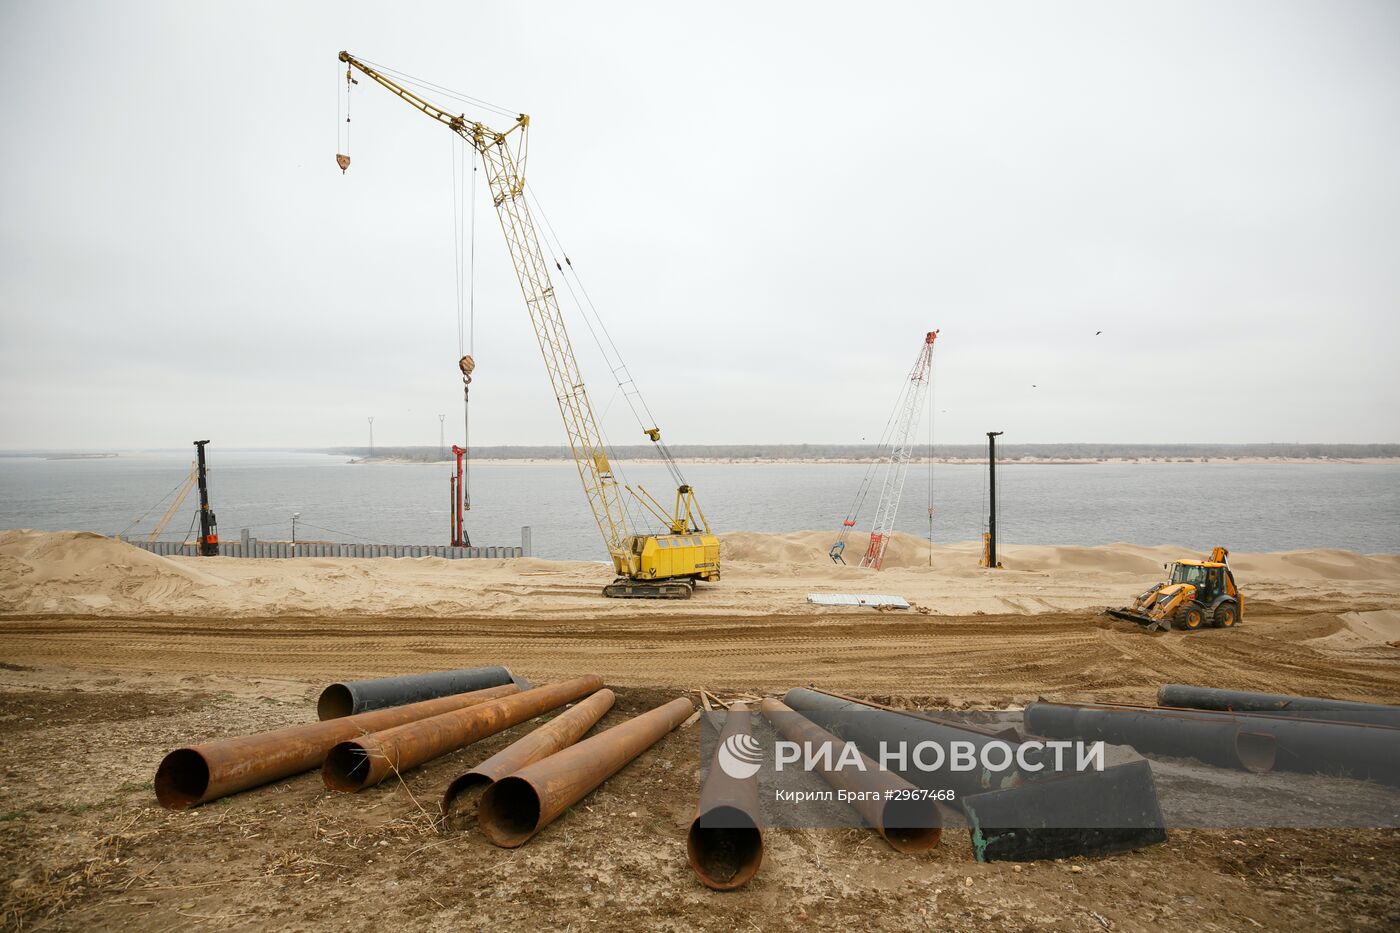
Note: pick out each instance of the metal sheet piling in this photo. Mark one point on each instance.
(360, 696)
(459, 802)
(725, 842)
(196, 774)
(516, 807)
(364, 761)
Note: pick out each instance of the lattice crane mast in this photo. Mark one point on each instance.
(648, 565)
(900, 435)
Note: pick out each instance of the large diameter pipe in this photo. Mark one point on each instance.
(1012, 815)
(1217, 742)
(360, 696)
(871, 726)
(890, 804)
(1277, 704)
(516, 807)
(725, 844)
(1310, 746)
(459, 802)
(366, 760)
(193, 775)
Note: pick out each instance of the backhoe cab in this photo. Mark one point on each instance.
(1196, 593)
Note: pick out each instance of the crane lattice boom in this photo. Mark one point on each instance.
(506, 180)
(689, 551)
(901, 447)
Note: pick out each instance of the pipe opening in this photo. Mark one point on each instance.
(509, 812)
(911, 825)
(346, 767)
(463, 796)
(182, 779)
(1256, 751)
(336, 701)
(727, 856)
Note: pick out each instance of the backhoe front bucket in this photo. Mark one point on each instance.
(1128, 615)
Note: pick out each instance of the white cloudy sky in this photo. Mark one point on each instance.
(770, 203)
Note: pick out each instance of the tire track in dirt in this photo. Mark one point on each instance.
(1004, 658)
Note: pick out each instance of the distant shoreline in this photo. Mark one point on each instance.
(947, 461)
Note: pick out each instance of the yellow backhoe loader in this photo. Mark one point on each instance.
(1198, 592)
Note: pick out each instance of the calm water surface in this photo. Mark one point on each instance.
(1249, 507)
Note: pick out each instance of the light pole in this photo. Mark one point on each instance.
(295, 516)
(990, 558)
(371, 435)
(442, 437)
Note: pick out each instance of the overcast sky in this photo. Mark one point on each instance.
(770, 203)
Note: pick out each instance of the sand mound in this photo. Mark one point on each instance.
(1363, 630)
(78, 571)
(1319, 564)
(803, 547)
(1106, 558)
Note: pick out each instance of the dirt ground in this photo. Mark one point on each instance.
(88, 706)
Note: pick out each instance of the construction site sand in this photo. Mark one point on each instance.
(113, 656)
(79, 573)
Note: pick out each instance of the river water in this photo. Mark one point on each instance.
(1246, 506)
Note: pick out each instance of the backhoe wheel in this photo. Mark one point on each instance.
(1190, 618)
(1226, 615)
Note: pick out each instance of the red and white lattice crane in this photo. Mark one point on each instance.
(898, 440)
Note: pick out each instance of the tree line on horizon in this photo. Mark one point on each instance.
(1005, 452)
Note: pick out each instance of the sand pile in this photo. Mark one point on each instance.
(54, 573)
(83, 572)
(1318, 564)
(1364, 629)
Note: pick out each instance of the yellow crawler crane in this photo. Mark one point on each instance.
(1197, 592)
(663, 566)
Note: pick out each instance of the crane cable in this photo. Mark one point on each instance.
(622, 375)
(464, 241)
(867, 481)
(342, 134)
(626, 385)
(136, 521)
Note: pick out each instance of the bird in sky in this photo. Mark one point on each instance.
(1097, 332)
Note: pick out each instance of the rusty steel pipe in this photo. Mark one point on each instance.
(196, 774)
(366, 760)
(459, 802)
(725, 842)
(516, 807)
(896, 812)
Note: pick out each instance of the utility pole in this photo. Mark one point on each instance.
(371, 435)
(442, 437)
(989, 544)
(208, 526)
(295, 516)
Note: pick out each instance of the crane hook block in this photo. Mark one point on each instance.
(343, 161)
(466, 364)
